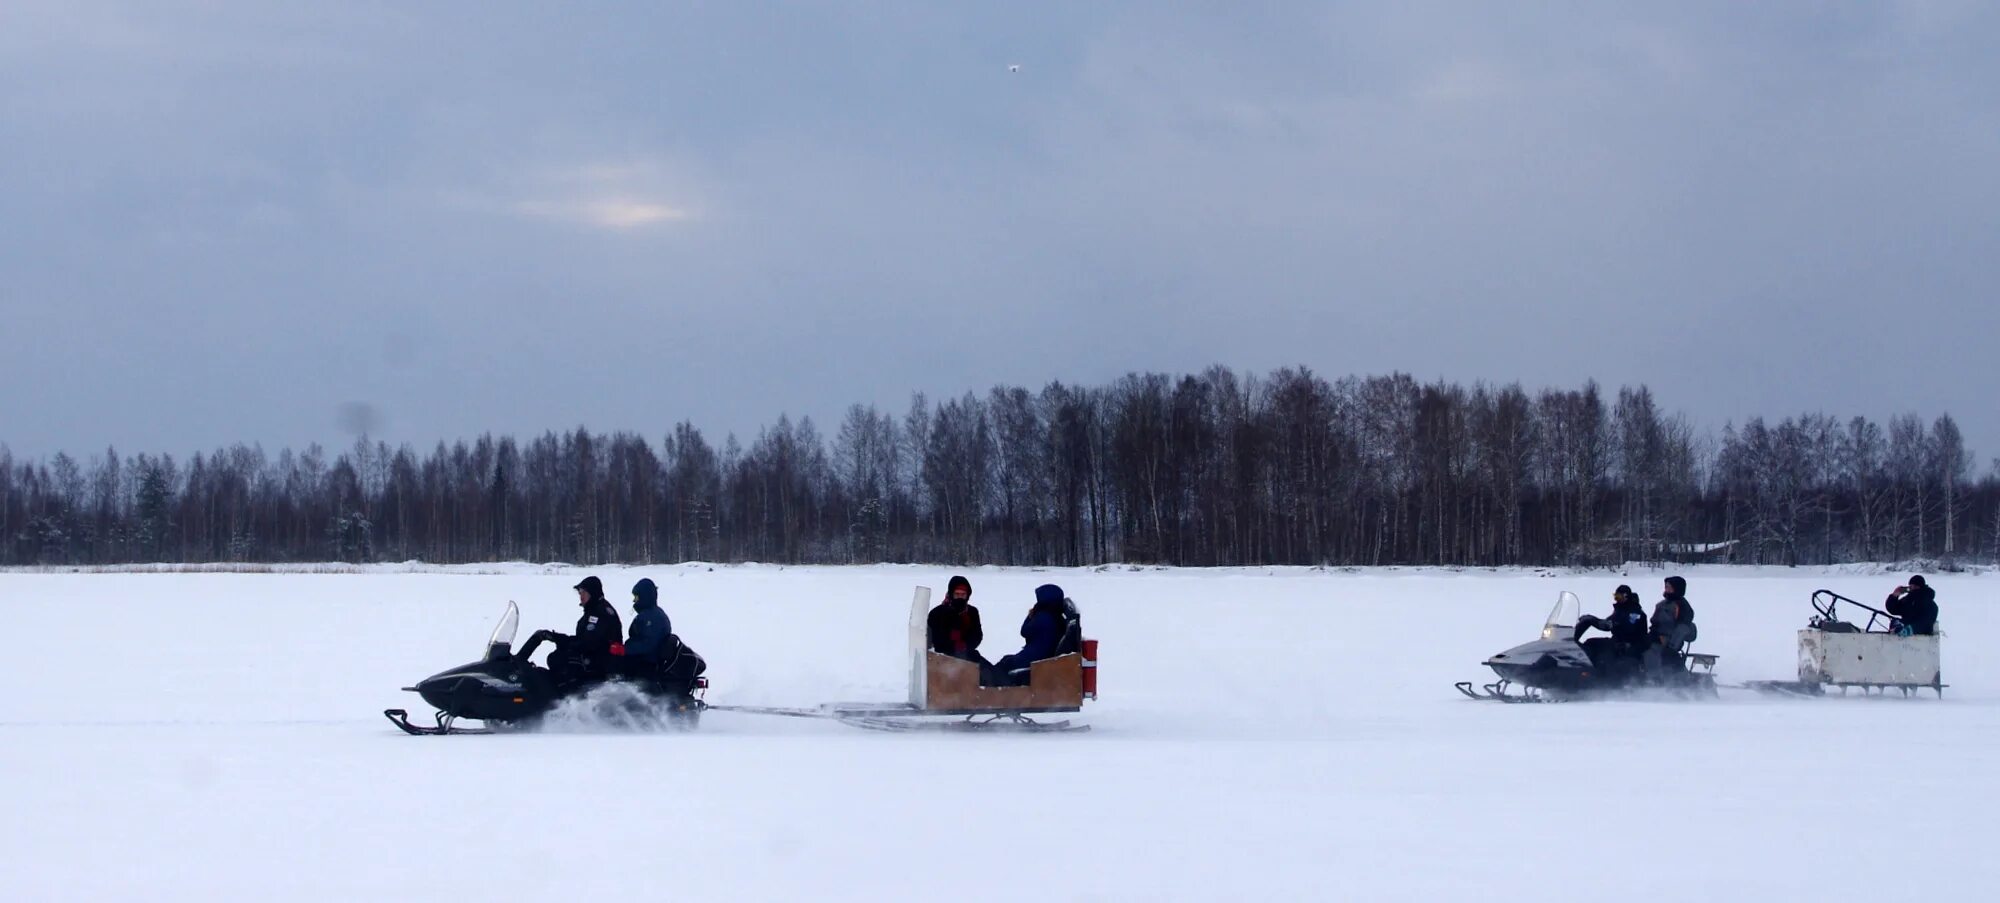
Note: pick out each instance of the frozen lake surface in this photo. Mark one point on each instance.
(1263, 734)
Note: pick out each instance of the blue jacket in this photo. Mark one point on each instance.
(650, 625)
(1043, 631)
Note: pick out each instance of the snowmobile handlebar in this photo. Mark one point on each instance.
(535, 641)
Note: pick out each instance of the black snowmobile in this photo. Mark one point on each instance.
(507, 691)
(1560, 666)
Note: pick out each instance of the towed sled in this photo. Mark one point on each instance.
(1555, 667)
(1874, 657)
(506, 691)
(945, 693)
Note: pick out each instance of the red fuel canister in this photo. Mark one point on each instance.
(1090, 669)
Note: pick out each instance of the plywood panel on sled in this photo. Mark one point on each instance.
(952, 685)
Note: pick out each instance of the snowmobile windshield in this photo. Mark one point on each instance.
(503, 632)
(1562, 619)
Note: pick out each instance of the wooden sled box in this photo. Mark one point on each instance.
(951, 686)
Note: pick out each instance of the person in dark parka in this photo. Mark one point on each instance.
(1914, 605)
(1672, 627)
(1041, 634)
(650, 629)
(589, 653)
(1627, 626)
(953, 625)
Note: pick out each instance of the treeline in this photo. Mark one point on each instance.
(1209, 469)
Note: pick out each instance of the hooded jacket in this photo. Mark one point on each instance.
(1673, 617)
(1917, 608)
(1042, 631)
(650, 625)
(953, 627)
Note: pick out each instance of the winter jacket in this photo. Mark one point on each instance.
(954, 629)
(650, 629)
(1041, 633)
(1917, 608)
(598, 630)
(1673, 623)
(1627, 626)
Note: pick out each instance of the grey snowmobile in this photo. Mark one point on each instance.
(1560, 666)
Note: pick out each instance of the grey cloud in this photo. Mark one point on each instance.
(228, 220)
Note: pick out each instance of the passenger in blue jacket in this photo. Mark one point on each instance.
(650, 629)
(1042, 632)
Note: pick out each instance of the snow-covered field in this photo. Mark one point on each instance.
(1266, 735)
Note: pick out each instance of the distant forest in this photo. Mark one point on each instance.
(1217, 468)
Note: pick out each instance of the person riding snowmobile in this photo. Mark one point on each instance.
(1914, 606)
(587, 655)
(654, 656)
(953, 625)
(1627, 626)
(650, 629)
(1672, 628)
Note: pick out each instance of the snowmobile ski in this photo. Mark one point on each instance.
(1498, 692)
(445, 725)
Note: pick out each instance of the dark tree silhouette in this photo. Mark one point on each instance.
(1215, 468)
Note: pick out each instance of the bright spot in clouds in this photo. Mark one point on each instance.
(607, 213)
(617, 196)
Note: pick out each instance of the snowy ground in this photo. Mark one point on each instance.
(1273, 735)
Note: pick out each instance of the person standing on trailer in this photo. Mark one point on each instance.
(953, 625)
(1914, 606)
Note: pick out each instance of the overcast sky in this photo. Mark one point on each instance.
(226, 221)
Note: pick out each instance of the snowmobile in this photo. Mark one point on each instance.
(507, 691)
(1559, 666)
(1878, 656)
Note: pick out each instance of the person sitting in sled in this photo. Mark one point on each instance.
(589, 654)
(1042, 635)
(1914, 605)
(953, 626)
(1627, 626)
(1672, 628)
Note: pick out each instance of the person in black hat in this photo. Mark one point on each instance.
(953, 625)
(589, 654)
(1627, 626)
(1914, 606)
